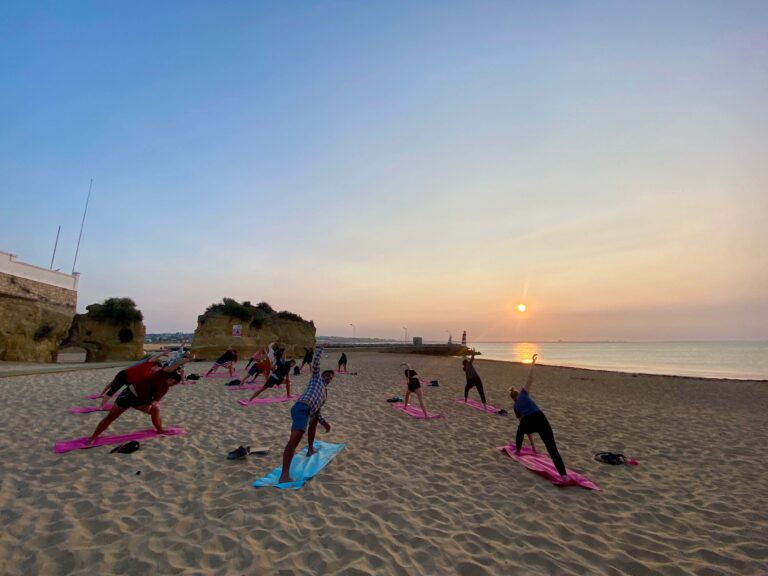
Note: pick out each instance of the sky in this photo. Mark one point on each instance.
(398, 165)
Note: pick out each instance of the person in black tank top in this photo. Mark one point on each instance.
(226, 360)
(281, 373)
(413, 386)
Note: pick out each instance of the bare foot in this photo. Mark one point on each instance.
(284, 478)
(311, 451)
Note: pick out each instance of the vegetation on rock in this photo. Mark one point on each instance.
(247, 312)
(116, 311)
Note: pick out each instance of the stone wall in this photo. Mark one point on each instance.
(36, 309)
(18, 287)
(30, 330)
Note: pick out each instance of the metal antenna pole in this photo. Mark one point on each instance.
(81, 226)
(55, 245)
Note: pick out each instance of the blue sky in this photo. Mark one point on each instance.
(427, 164)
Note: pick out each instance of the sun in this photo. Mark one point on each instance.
(522, 307)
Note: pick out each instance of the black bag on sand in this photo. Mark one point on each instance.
(126, 448)
(193, 377)
(233, 383)
(611, 458)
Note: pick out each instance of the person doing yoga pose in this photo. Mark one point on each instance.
(532, 420)
(473, 379)
(309, 353)
(134, 373)
(143, 395)
(342, 363)
(226, 360)
(279, 374)
(305, 415)
(261, 365)
(413, 386)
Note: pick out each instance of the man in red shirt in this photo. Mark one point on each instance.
(143, 395)
(134, 373)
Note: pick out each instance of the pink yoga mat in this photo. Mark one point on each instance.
(267, 400)
(93, 396)
(542, 464)
(79, 443)
(479, 405)
(415, 411)
(89, 409)
(223, 375)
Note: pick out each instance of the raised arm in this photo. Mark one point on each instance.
(316, 361)
(472, 358)
(529, 380)
(176, 365)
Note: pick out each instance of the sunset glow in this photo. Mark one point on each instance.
(412, 151)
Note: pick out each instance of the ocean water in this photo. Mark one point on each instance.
(740, 360)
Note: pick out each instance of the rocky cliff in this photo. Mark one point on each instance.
(112, 330)
(30, 330)
(259, 325)
(104, 340)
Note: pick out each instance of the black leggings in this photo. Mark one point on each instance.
(538, 423)
(121, 379)
(471, 383)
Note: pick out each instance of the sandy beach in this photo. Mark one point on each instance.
(406, 496)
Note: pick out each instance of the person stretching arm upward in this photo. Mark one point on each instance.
(473, 379)
(532, 419)
(305, 415)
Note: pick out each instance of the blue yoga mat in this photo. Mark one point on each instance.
(302, 468)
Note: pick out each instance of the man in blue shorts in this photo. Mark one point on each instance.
(306, 414)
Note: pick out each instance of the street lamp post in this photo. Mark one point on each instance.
(353, 333)
(405, 338)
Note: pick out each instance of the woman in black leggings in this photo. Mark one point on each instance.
(473, 379)
(532, 420)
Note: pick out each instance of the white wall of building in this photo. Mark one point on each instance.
(9, 265)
